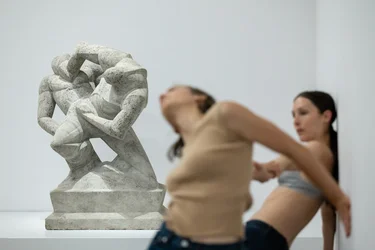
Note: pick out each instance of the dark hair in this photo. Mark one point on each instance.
(324, 101)
(176, 149)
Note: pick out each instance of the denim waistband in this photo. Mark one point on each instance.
(171, 240)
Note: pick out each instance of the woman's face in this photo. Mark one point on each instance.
(176, 97)
(309, 122)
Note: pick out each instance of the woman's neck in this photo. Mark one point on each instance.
(186, 121)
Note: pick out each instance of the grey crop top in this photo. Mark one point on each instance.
(292, 179)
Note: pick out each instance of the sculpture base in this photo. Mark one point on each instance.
(106, 209)
(104, 221)
(108, 201)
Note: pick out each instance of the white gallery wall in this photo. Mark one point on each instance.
(259, 53)
(345, 67)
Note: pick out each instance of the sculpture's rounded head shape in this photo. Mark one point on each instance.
(178, 104)
(57, 61)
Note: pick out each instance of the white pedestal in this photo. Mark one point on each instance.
(26, 231)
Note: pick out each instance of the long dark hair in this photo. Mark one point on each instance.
(175, 151)
(324, 101)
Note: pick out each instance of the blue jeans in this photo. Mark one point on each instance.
(261, 236)
(166, 239)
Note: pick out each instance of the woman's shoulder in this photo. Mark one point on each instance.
(236, 118)
(318, 146)
(229, 104)
(320, 150)
(229, 109)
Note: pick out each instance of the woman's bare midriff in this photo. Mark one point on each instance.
(216, 240)
(288, 211)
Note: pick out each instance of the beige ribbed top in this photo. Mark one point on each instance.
(210, 187)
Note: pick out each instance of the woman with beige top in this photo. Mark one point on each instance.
(210, 187)
(291, 206)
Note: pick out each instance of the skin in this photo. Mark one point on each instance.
(285, 209)
(179, 107)
(329, 226)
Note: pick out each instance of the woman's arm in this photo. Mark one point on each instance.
(329, 226)
(263, 172)
(256, 129)
(276, 166)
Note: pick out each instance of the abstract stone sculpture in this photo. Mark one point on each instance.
(102, 91)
